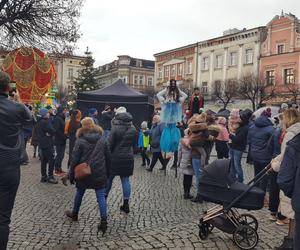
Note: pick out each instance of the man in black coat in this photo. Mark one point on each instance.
(13, 116)
(289, 181)
(59, 140)
(45, 132)
(105, 120)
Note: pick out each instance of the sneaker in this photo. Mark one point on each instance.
(273, 217)
(63, 172)
(125, 208)
(58, 173)
(44, 179)
(52, 180)
(282, 222)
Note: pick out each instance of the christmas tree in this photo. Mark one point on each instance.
(86, 80)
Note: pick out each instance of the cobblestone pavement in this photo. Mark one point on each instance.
(159, 219)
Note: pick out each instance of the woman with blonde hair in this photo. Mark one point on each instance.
(291, 124)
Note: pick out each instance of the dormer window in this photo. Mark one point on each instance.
(139, 63)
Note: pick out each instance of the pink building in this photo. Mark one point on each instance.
(280, 55)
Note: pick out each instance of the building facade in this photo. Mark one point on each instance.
(179, 64)
(137, 73)
(228, 58)
(280, 55)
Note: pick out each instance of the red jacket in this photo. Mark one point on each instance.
(200, 104)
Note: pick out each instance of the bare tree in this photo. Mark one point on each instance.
(294, 90)
(253, 88)
(225, 91)
(50, 25)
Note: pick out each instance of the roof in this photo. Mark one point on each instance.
(119, 88)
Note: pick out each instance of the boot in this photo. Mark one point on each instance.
(187, 195)
(70, 215)
(197, 199)
(287, 244)
(52, 180)
(102, 226)
(44, 179)
(125, 207)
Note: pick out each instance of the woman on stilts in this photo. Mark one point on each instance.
(171, 100)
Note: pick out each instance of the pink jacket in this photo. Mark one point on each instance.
(223, 134)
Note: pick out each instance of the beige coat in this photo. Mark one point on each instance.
(285, 202)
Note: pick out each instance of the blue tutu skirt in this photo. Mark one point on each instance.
(170, 138)
(171, 112)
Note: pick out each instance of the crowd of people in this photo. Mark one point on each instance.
(105, 145)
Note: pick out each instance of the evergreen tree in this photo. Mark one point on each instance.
(86, 80)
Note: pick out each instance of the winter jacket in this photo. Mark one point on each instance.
(144, 138)
(289, 173)
(155, 134)
(290, 133)
(45, 133)
(223, 134)
(105, 120)
(12, 117)
(122, 139)
(59, 126)
(239, 139)
(91, 148)
(185, 157)
(259, 136)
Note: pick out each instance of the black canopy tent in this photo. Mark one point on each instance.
(118, 94)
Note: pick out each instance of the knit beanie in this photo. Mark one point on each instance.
(44, 112)
(121, 110)
(92, 111)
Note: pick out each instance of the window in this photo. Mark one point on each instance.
(150, 81)
(135, 80)
(139, 63)
(280, 48)
(179, 69)
(141, 80)
(205, 62)
(70, 73)
(189, 67)
(288, 76)
(167, 71)
(270, 77)
(159, 72)
(218, 61)
(233, 59)
(173, 70)
(204, 88)
(248, 56)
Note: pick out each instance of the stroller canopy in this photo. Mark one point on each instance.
(218, 173)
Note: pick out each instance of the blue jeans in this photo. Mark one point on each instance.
(125, 186)
(236, 166)
(100, 194)
(197, 172)
(106, 133)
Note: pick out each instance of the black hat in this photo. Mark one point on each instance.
(172, 81)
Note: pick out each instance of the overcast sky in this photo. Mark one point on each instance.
(141, 28)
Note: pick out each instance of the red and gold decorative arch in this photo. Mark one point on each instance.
(33, 72)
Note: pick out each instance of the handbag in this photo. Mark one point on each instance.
(83, 170)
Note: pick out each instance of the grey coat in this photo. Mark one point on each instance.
(155, 134)
(185, 159)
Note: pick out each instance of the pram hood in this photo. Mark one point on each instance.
(217, 173)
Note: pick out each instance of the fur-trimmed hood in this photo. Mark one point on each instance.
(89, 133)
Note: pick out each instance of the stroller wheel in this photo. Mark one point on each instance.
(249, 220)
(245, 237)
(204, 230)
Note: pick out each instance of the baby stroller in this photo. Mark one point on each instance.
(219, 187)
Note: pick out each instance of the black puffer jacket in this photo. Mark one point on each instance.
(59, 126)
(45, 133)
(105, 120)
(91, 148)
(122, 139)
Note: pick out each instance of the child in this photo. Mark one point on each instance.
(144, 139)
(199, 134)
(222, 139)
(185, 164)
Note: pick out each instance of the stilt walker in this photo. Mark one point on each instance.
(171, 100)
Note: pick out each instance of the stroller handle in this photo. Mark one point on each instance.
(268, 169)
